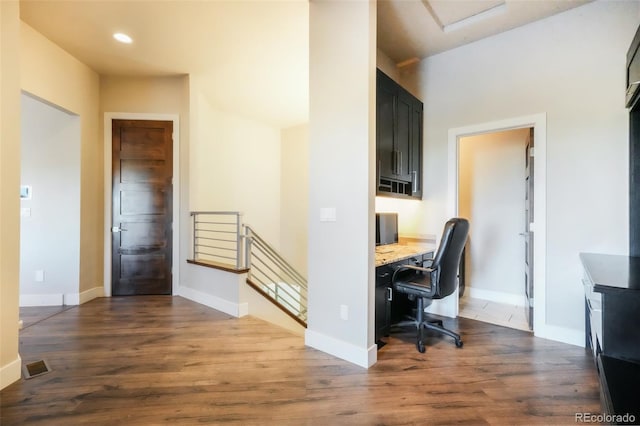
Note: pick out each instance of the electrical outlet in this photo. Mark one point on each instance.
(344, 312)
(39, 276)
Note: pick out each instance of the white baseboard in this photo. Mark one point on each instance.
(211, 301)
(561, 334)
(10, 373)
(41, 300)
(84, 297)
(496, 296)
(343, 350)
(58, 299)
(243, 309)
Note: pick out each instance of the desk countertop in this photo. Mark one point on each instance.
(391, 253)
(610, 272)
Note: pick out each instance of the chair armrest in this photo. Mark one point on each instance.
(403, 268)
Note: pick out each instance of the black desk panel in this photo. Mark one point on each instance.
(612, 313)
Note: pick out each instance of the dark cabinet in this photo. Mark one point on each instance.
(415, 153)
(612, 315)
(385, 129)
(383, 300)
(399, 118)
(392, 307)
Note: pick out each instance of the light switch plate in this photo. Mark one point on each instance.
(344, 312)
(328, 214)
(25, 211)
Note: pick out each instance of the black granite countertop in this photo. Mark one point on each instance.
(609, 272)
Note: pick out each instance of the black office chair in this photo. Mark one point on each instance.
(436, 281)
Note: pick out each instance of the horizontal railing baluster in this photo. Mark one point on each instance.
(277, 277)
(267, 269)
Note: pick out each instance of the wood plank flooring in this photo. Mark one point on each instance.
(166, 360)
(34, 314)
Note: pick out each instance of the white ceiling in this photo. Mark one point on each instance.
(251, 57)
(415, 29)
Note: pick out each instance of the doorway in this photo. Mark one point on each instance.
(49, 204)
(141, 158)
(492, 195)
(538, 124)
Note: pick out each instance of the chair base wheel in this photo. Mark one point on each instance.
(459, 343)
(420, 346)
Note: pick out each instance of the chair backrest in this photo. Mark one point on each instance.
(447, 257)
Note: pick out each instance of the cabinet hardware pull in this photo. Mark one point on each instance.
(390, 295)
(415, 181)
(396, 169)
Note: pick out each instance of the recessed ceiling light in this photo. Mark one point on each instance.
(123, 38)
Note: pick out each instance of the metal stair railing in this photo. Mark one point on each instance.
(274, 277)
(217, 238)
(221, 240)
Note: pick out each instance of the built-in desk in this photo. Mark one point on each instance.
(612, 325)
(389, 306)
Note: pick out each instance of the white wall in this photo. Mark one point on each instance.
(50, 235)
(294, 196)
(572, 67)
(51, 74)
(491, 193)
(409, 215)
(341, 177)
(235, 165)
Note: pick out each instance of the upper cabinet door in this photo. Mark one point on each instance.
(404, 119)
(385, 129)
(416, 150)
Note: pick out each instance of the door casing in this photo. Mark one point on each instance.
(539, 124)
(108, 117)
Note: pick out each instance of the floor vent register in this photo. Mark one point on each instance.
(34, 369)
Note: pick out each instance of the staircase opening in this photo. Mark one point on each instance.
(221, 240)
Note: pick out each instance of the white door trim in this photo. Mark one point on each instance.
(108, 117)
(539, 124)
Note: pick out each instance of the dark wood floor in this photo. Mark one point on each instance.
(159, 360)
(34, 314)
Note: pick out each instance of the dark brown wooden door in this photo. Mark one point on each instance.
(142, 207)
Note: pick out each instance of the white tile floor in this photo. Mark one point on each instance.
(492, 312)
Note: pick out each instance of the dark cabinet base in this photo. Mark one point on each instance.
(612, 315)
(618, 390)
(392, 307)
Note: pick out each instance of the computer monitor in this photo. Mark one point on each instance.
(386, 228)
